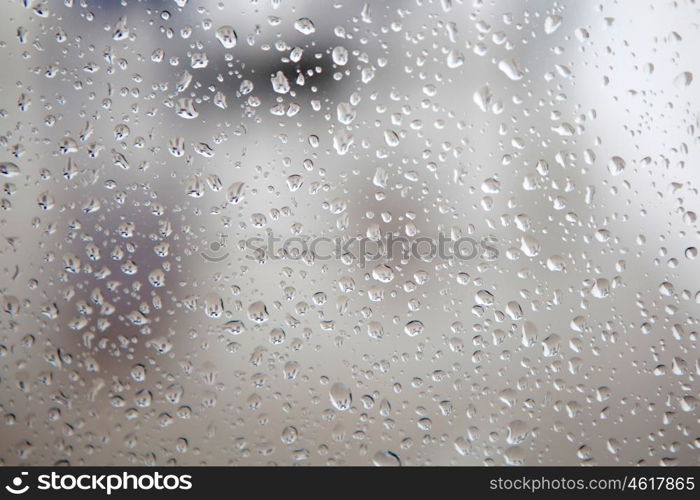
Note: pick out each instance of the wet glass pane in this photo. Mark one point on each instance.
(345, 233)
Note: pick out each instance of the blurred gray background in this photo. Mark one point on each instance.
(567, 131)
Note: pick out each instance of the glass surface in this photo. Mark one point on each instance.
(294, 232)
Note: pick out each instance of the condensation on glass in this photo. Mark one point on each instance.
(393, 233)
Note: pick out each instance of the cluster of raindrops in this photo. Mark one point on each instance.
(348, 233)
